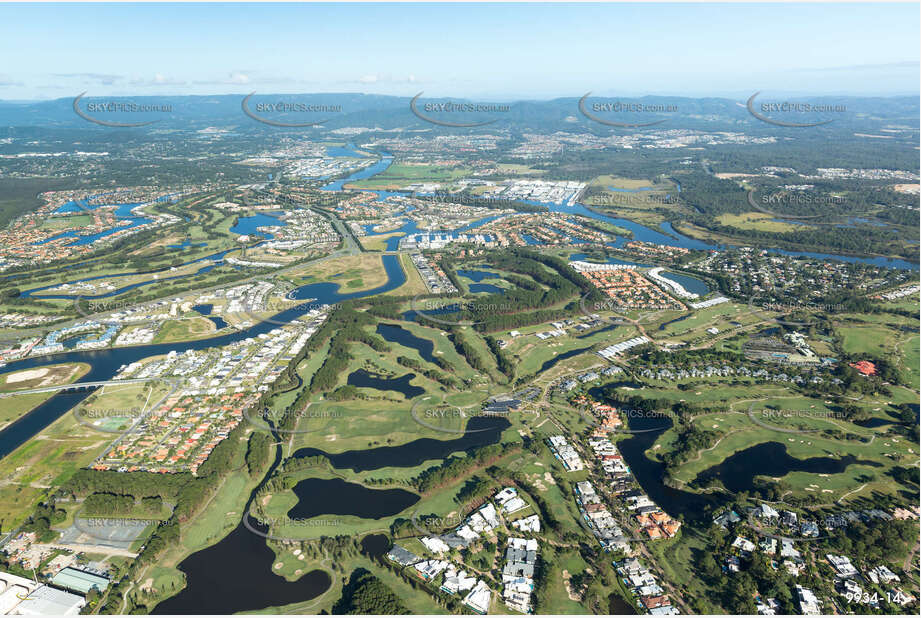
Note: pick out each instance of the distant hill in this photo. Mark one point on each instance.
(392, 112)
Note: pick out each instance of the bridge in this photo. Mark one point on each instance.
(79, 386)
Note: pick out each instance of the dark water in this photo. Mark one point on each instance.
(607, 328)
(375, 545)
(217, 321)
(691, 284)
(650, 474)
(481, 431)
(618, 607)
(235, 575)
(363, 378)
(477, 275)
(397, 334)
(669, 236)
(367, 172)
(487, 288)
(664, 325)
(738, 471)
(340, 497)
(250, 225)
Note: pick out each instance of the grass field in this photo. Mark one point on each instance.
(352, 272)
(755, 221)
(184, 330)
(414, 284)
(398, 175)
(378, 242)
(115, 405)
(911, 359)
(66, 223)
(43, 463)
(813, 419)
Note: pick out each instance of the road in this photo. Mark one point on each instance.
(78, 385)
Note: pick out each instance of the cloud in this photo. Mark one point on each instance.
(105, 79)
(243, 77)
(384, 78)
(159, 79)
(7, 82)
(908, 64)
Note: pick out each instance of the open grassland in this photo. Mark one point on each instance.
(292, 567)
(217, 518)
(184, 329)
(13, 407)
(115, 406)
(755, 221)
(692, 327)
(378, 242)
(911, 359)
(43, 463)
(353, 273)
(882, 336)
(637, 199)
(441, 502)
(73, 222)
(517, 168)
(398, 175)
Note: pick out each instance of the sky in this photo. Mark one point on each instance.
(477, 51)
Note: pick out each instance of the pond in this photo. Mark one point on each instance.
(365, 379)
(343, 498)
(738, 471)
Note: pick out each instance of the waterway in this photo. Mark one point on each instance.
(691, 284)
(104, 364)
(343, 498)
(365, 379)
(123, 212)
(397, 334)
(249, 226)
(219, 582)
(738, 471)
(480, 431)
(236, 575)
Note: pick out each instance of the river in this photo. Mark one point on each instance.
(105, 364)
